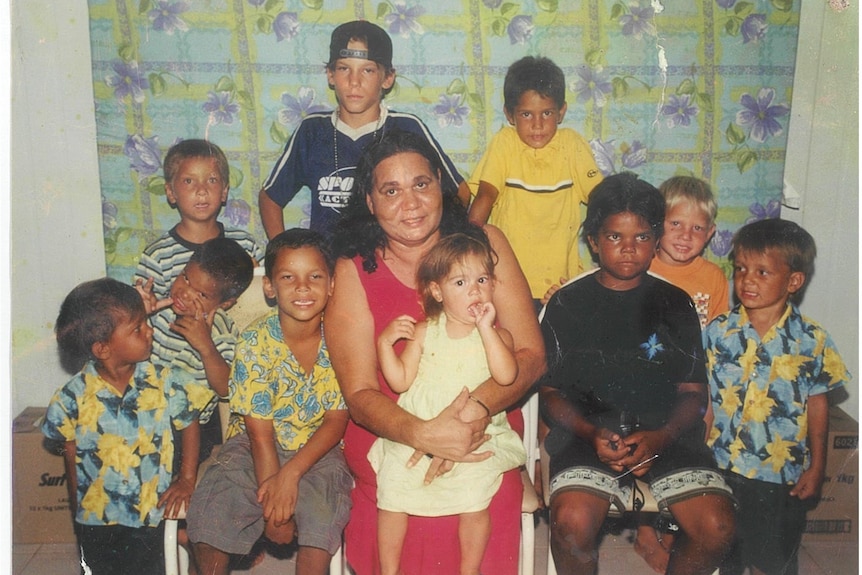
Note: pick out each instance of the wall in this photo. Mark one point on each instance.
(823, 167)
(57, 236)
(56, 233)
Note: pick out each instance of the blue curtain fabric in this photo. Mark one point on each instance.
(658, 87)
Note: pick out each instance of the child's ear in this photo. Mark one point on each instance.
(268, 290)
(594, 246)
(227, 304)
(796, 281)
(389, 79)
(169, 194)
(101, 350)
(436, 293)
(563, 109)
(509, 117)
(224, 194)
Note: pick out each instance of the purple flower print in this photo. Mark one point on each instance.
(109, 216)
(286, 26)
(771, 210)
(679, 110)
(520, 29)
(605, 155)
(720, 244)
(165, 17)
(237, 213)
(127, 80)
(635, 156)
(221, 107)
(144, 155)
(725, 3)
(592, 84)
(450, 111)
(295, 109)
(404, 21)
(754, 28)
(761, 115)
(638, 21)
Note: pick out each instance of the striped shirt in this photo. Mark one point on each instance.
(166, 258)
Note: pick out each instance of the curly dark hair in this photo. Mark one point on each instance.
(620, 193)
(358, 232)
(90, 314)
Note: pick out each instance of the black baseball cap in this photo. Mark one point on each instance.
(376, 39)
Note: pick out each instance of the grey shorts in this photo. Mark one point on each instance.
(682, 471)
(225, 514)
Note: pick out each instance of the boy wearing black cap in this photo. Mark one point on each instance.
(323, 151)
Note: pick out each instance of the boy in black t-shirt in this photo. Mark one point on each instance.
(625, 392)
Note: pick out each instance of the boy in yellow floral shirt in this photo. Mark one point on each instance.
(769, 371)
(115, 419)
(281, 471)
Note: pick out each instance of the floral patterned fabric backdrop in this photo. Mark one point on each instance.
(658, 87)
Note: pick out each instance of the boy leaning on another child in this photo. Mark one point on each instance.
(191, 274)
(534, 176)
(769, 370)
(116, 418)
(281, 471)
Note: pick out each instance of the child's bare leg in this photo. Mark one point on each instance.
(312, 561)
(474, 529)
(652, 549)
(391, 530)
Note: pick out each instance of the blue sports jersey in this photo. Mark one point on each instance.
(310, 159)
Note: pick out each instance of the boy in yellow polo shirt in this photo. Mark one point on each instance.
(534, 176)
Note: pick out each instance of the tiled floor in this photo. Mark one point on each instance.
(616, 557)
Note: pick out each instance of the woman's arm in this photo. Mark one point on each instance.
(349, 329)
(515, 313)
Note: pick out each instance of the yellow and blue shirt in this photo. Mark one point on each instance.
(760, 388)
(124, 441)
(267, 382)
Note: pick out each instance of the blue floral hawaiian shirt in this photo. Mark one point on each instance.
(760, 390)
(124, 441)
(267, 382)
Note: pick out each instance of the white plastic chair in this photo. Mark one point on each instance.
(250, 306)
(530, 501)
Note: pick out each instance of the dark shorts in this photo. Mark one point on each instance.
(121, 550)
(684, 470)
(225, 514)
(769, 524)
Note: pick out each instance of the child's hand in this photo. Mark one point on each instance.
(809, 484)
(609, 448)
(151, 304)
(196, 328)
(484, 314)
(277, 495)
(177, 497)
(402, 327)
(551, 291)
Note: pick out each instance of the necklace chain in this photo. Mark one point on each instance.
(335, 135)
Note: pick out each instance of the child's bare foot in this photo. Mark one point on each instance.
(651, 549)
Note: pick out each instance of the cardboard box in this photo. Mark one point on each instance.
(836, 517)
(40, 499)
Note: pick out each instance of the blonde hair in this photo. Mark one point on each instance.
(680, 189)
(438, 263)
